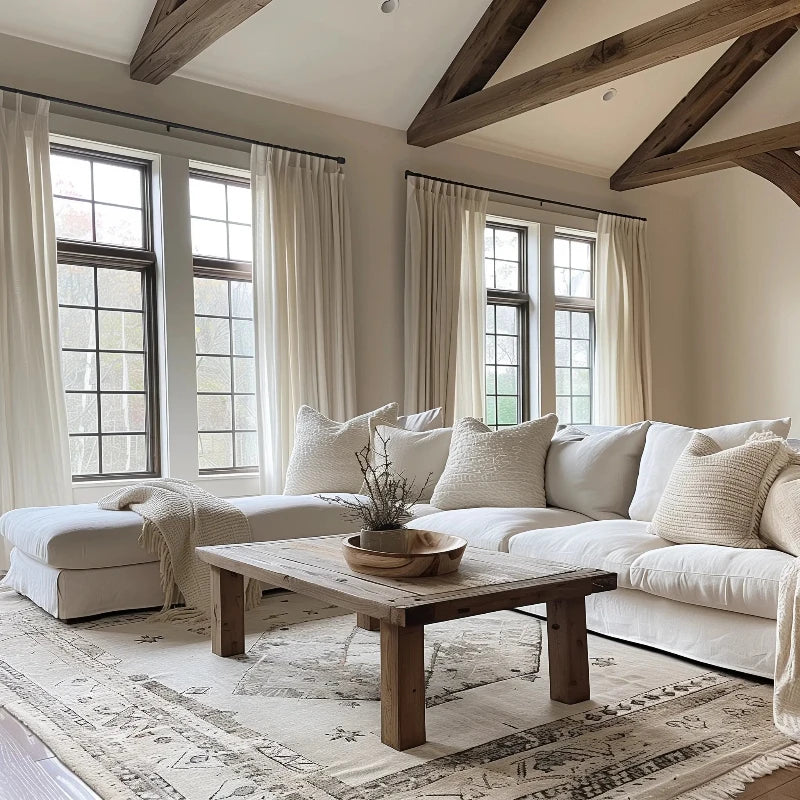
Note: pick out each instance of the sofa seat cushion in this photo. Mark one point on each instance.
(491, 528)
(87, 537)
(612, 545)
(729, 578)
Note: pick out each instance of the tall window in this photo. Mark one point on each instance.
(506, 324)
(574, 289)
(106, 297)
(223, 301)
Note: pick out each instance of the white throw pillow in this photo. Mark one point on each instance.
(717, 496)
(780, 522)
(664, 445)
(595, 474)
(415, 454)
(324, 455)
(424, 421)
(502, 468)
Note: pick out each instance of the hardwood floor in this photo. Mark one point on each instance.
(30, 771)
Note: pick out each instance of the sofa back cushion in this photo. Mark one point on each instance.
(595, 475)
(780, 522)
(664, 445)
(502, 468)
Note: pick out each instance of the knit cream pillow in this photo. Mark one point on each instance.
(780, 523)
(502, 468)
(324, 455)
(717, 496)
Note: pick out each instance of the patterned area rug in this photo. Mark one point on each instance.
(144, 710)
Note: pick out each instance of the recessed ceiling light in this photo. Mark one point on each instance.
(387, 6)
(610, 94)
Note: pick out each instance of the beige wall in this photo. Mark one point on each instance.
(376, 159)
(746, 300)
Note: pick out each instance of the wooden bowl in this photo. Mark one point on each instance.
(425, 553)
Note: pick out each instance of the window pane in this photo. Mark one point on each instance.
(507, 275)
(72, 177)
(581, 381)
(242, 299)
(121, 330)
(77, 328)
(488, 239)
(119, 226)
(114, 183)
(246, 449)
(245, 406)
(507, 319)
(123, 412)
(580, 324)
(213, 374)
(562, 282)
(124, 454)
(75, 285)
(209, 238)
(215, 450)
(561, 252)
(121, 372)
(82, 413)
(212, 335)
(581, 255)
(506, 244)
(491, 411)
(244, 371)
(507, 380)
(564, 410)
(241, 242)
(240, 208)
(581, 283)
(211, 296)
(243, 337)
(491, 380)
(73, 219)
(490, 281)
(83, 453)
(79, 370)
(580, 353)
(507, 411)
(563, 385)
(581, 410)
(490, 319)
(207, 198)
(562, 353)
(119, 288)
(491, 355)
(214, 412)
(562, 323)
(507, 350)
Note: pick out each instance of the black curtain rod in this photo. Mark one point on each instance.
(410, 174)
(167, 124)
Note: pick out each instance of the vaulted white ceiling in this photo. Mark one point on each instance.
(346, 57)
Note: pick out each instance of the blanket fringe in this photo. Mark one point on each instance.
(733, 783)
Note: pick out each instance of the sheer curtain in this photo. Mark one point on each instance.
(303, 298)
(623, 374)
(34, 450)
(445, 298)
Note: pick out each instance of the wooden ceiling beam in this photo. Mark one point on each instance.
(687, 30)
(716, 156)
(732, 71)
(179, 30)
(500, 28)
(780, 167)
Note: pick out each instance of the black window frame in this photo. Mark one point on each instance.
(144, 261)
(227, 270)
(521, 301)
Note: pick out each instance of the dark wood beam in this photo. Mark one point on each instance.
(716, 156)
(494, 37)
(179, 30)
(695, 27)
(780, 167)
(732, 71)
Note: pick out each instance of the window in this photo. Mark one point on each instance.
(574, 333)
(106, 297)
(223, 300)
(506, 324)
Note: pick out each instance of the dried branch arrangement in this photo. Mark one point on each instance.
(391, 496)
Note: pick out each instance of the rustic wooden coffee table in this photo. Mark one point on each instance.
(400, 608)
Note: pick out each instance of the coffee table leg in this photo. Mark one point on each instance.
(402, 686)
(367, 622)
(227, 612)
(566, 644)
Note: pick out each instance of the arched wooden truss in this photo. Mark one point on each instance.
(781, 167)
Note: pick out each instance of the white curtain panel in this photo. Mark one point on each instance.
(303, 298)
(623, 374)
(445, 299)
(34, 449)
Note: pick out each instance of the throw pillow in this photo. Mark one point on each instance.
(324, 455)
(664, 445)
(595, 474)
(502, 468)
(415, 454)
(780, 522)
(717, 496)
(424, 421)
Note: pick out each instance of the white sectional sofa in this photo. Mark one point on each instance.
(710, 603)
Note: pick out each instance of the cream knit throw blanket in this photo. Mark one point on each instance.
(786, 705)
(179, 516)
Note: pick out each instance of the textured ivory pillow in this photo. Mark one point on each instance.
(415, 454)
(324, 455)
(424, 421)
(664, 445)
(780, 522)
(717, 496)
(595, 474)
(502, 468)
